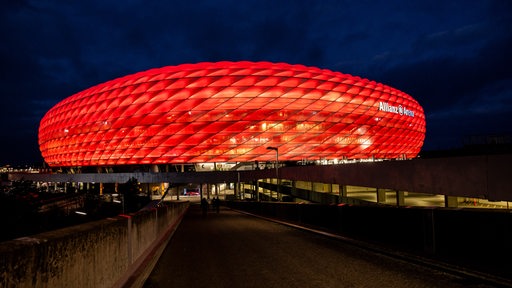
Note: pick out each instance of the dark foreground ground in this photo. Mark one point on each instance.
(230, 249)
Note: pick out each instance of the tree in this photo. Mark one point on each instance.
(130, 191)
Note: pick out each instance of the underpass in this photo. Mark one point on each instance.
(233, 249)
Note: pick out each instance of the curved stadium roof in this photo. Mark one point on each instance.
(231, 112)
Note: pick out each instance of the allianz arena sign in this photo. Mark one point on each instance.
(231, 112)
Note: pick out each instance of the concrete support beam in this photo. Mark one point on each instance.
(381, 195)
(237, 191)
(257, 190)
(451, 201)
(343, 191)
(400, 198)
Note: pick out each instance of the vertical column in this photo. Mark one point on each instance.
(400, 198)
(381, 195)
(257, 190)
(451, 201)
(270, 190)
(343, 191)
(151, 186)
(238, 187)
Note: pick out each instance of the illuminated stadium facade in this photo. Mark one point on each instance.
(231, 112)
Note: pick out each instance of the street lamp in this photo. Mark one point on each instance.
(277, 171)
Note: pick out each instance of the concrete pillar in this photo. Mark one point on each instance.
(257, 190)
(270, 190)
(343, 191)
(451, 201)
(400, 198)
(238, 187)
(381, 195)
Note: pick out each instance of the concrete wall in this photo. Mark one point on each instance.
(114, 252)
(486, 177)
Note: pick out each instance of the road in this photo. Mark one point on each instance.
(231, 249)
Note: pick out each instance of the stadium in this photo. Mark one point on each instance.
(231, 112)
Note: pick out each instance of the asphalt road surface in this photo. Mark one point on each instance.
(231, 249)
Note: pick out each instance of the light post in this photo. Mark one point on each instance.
(277, 171)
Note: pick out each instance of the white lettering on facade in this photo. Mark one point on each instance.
(384, 106)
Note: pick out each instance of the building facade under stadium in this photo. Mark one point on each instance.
(231, 112)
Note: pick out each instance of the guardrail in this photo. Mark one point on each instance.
(114, 252)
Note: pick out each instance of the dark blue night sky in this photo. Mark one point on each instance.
(454, 57)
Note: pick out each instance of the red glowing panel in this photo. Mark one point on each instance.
(231, 111)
